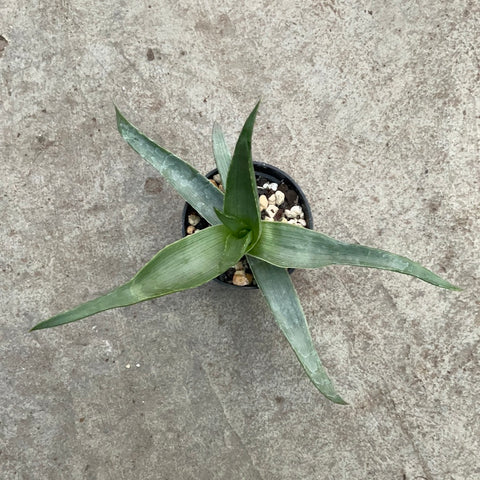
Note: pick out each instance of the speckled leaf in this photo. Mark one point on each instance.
(187, 263)
(186, 180)
(290, 246)
(282, 298)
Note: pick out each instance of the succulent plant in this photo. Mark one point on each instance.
(237, 230)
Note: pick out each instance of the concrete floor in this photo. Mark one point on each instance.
(373, 109)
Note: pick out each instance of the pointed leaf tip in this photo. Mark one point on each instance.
(280, 294)
(289, 246)
(184, 264)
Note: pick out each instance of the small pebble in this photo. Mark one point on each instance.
(193, 219)
(217, 178)
(296, 210)
(279, 198)
(239, 266)
(266, 186)
(302, 222)
(271, 210)
(240, 278)
(268, 219)
(273, 186)
(289, 214)
(213, 182)
(271, 200)
(191, 229)
(292, 221)
(262, 200)
(127, 365)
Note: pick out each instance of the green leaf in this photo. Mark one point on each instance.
(187, 263)
(186, 180)
(237, 227)
(241, 198)
(221, 154)
(290, 246)
(282, 298)
(120, 297)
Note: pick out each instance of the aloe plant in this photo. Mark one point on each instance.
(237, 230)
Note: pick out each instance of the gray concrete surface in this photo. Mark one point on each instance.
(372, 106)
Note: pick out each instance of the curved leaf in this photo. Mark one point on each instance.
(186, 263)
(290, 246)
(282, 298)
(186, 180)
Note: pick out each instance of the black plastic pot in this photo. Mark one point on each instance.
(270, 174)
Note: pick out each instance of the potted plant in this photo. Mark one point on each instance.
(237, 229)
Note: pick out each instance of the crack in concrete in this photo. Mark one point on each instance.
(406, 432)
(225, 416)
